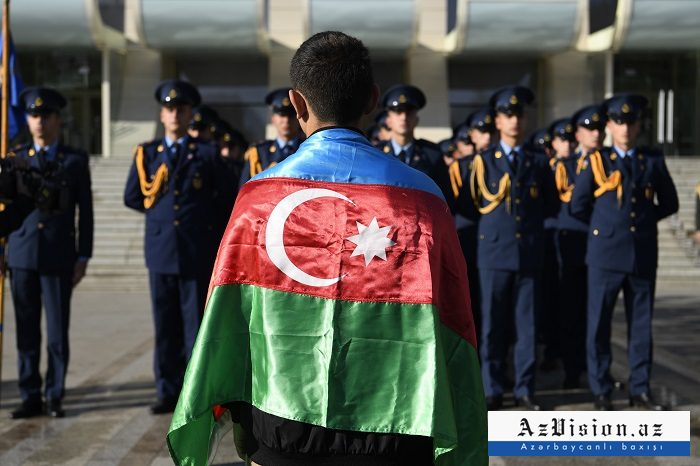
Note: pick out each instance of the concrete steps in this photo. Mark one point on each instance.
(678, 255)
(117, 263)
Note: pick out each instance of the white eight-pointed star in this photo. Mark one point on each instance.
(371, 241)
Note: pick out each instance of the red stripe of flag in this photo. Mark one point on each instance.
(315, 241)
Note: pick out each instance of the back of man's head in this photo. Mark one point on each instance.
(333, 71)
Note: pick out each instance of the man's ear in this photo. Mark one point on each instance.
(373, 100)
(299, 103)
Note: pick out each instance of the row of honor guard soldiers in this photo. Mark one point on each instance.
(600, 206)
(603, 203)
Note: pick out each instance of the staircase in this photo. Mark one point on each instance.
(679, 256)
(117, 262)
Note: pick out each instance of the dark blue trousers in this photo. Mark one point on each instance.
(603, 289)
(28, 288)
(572, 319)
(178, 306)
(508, 297)
(468, 242)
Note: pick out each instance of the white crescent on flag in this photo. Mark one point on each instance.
(274, 235)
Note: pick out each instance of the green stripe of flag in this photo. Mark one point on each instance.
(373, 367)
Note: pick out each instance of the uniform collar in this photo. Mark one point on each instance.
(50, 149)
(169, 142)
(397, 148)
(507, 149)
(291, 143)
(622, 153)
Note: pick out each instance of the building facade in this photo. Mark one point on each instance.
(107, 56)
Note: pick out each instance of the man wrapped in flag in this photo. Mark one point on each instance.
(338, 327)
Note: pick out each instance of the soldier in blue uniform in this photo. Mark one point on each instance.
(265, 154)
(560, 135)
(541, 139)
(402, 103)
(177, 182)
(624, 190)
(47, 255)
(587, 124)
(231, 144)
(513, 187)
(380, 129)
(472, 137)
(203, 117)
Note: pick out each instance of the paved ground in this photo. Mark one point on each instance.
(110, 386)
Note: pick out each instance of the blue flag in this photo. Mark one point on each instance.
(15, 112)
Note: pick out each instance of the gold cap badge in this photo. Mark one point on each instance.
(286, 102)
(595, 117)
(513, 100)
(38, 102)
(625, 108)
(402, 99)
(487, 119)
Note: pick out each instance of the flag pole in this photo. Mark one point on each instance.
(4, 141)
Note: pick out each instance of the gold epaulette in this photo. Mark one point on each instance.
(479, 189)
(455, 178)
(150, 189)
(253, 158)
(605, 183)
(562, 181)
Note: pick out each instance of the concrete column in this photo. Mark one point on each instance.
(106, 97)
(428, 71)
(136, 119)
(567, 85)
(287, 22)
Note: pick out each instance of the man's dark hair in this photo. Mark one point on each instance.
(334, 73)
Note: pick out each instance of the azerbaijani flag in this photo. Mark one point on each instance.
(339, 298)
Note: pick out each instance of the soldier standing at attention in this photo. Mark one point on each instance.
(561, 133)
(472, 137)
(624, 191)
(588, 125)
(402, 103)
(202, 120)
(178, 182)
(513, 187)
(45, 258)
(265, 154)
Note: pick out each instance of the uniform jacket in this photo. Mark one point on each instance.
(181, 225)
(48, 243)
(572, 232)
(262, 155)
(623, 231)
(425, 155)
(565, 220)
(511, 236)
